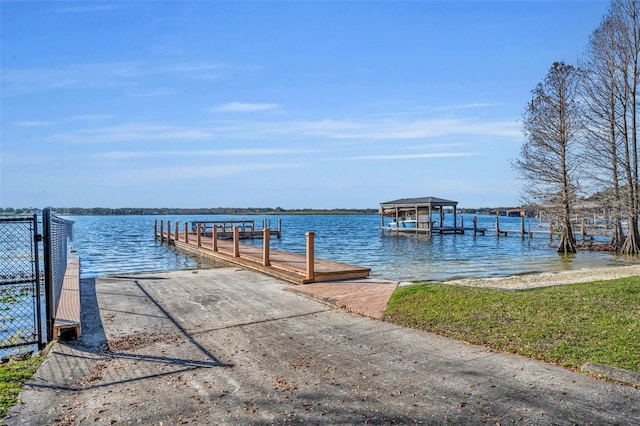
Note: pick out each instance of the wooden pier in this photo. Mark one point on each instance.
(298, 269)
(67, 317)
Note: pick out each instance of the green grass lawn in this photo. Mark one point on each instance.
(567, 325)
(13, 375)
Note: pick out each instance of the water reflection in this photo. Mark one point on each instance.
(121, 244)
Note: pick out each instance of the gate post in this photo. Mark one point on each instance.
(36, 264)
(48, 272)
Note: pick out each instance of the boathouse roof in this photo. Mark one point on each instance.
(419, 202)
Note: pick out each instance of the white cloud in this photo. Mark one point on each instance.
(123, 155)
(415, 156)
(243, 107)
(464, 106)
(130, 133)
(32, 123)
(199, 172)
(102, 75)
(90, 117)
(92, 8)
(151, 93)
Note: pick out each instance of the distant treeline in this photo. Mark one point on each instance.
(103, 211)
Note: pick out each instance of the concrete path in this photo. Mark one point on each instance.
(230, 346)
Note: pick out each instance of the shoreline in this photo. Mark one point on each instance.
(549, 279)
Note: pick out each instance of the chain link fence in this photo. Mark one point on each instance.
(58, 233)
(32, 269)
(20, 313)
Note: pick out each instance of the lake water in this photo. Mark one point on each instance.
(125, 244)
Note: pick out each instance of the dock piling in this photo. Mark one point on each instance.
(177, 230)
(199, 236)
(186, 233)
(265, 246)
(236, 241)
(161, 231)
(214, 238)
(311, 273)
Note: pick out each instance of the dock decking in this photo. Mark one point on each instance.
(67, 319)
(294, 268)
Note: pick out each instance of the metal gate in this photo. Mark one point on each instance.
(20, 295)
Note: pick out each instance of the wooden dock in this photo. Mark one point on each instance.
(295, 268)
(67, 319)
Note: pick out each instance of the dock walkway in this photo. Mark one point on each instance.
(294, 268)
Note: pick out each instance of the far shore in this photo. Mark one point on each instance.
(548, 279)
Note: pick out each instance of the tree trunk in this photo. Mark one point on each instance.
(631, 245)
(567, 241)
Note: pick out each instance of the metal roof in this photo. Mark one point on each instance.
(419, 202)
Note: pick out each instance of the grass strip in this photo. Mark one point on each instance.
(566, 325)
(13, 376)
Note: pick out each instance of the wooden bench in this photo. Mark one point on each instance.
(67, 322)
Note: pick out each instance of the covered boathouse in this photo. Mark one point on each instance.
(417, 215)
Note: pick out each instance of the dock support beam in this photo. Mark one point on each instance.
(177, 230)
(161, 230)
(311, 272)
(199, 236)
(155, 230)
(214, 238)
(168, 232)
(186, 233)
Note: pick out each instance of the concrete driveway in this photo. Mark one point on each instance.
(228, 345)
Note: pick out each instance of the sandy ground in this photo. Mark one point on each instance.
(547, 279)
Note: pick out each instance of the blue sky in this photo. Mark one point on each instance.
(266, 104)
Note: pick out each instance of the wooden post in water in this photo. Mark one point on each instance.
(497, 227)
(214, 237)
(161, 230)
(279, 228)
(266, 233)
(550, 231)
(168, 231)
(311, 272)
(155, 229)
(186, 233)
(236, 241)
(199, 237)
(177, 230)
(475, 226)
(583, 230)
(522, 227)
